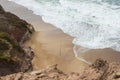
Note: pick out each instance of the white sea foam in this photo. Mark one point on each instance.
(94, 24)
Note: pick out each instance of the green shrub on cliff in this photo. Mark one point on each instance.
(13, 32)
(3, 45)
(6, 36)
(11, 40)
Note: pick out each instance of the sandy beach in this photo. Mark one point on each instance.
(52, 46)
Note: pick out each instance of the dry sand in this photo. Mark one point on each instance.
(52, 46)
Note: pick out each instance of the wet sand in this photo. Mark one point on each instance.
(52, 46)
(106, 54)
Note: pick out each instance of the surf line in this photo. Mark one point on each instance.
(80, 58)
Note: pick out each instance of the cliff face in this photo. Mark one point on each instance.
(15, 26)
(13, 32)
(100, 70)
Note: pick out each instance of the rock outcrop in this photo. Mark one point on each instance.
(16, 27)
(13, 32)
(100, 70)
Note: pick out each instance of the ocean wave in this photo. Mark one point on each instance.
(94, 24)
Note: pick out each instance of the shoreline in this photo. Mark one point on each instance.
(50, 44)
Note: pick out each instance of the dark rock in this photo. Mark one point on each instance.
(13, 32)
(99, 64)
(15, 26)
(1, 10)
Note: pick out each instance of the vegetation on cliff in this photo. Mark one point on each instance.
(13, 31)
(13, 25)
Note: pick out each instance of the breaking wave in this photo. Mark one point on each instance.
(94, 24)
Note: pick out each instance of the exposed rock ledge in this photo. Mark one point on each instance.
(13, 32)
(100, 70)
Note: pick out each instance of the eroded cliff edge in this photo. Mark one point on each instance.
(13, 32)
(99, 70)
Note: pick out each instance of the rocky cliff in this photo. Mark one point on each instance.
(13, 32)
(14, 26)
(100, 70)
